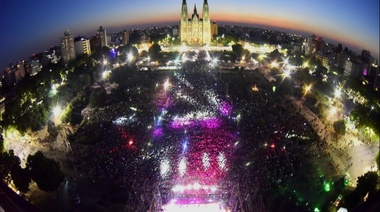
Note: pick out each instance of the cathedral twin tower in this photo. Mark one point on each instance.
(195, 30)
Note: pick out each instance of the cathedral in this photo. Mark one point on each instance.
(195, 30)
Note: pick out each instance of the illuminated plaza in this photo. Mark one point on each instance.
(196, 116)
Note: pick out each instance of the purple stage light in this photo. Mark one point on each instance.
(157, 132)
(225, 108)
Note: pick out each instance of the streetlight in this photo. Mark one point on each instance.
(238, 117)
(57, 110)
(130, 56)
(105, 74)
(338, 93)
(305, 64)
(215, 62)
(307, 88)
(274, 64)
(286, 61)
(261, 57)
(166, 84)
(286, 74)
(333, 110)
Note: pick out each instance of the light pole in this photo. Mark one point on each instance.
(307, 89)
(166, 86)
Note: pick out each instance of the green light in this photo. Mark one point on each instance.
(316, 210)
(326, 186)
(346, 182)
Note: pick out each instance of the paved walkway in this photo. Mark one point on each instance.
(348, 154)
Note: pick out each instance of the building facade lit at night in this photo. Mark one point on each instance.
(195, 30)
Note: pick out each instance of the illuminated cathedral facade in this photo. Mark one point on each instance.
(195, 30)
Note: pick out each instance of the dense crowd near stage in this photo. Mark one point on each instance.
(196, 132)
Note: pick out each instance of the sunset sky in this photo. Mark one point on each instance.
(29, 27)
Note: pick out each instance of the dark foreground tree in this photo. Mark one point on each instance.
(44, 171)
(10, 169)
(21, 179)
(8, 162)
(352, 199)
(154, 49)
(367, 183)
(238, 50)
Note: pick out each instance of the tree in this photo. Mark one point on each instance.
(44, 171)
(227, 39)
(340, 127)
(367, 183)
(97, 98)
(8, 163)
(352, 199)
(154, 50)
(10, 166)
(143, 53)
(21, 179)
(238, 50)
(275, 55)
(365, 116)
(296, 60)
(245, 53)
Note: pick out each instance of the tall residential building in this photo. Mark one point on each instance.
(318, 44)
(125, 37)
(102, 36)
(195, 30)
(82, 46)
(19, 71)
(67, 48)
(307, 46)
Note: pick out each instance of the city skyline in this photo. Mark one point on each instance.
(32, 27)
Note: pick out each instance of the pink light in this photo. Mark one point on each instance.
(192, 205)
(225, 108)
(211, 123)
(157, 132)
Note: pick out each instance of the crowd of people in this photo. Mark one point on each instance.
(213, 129)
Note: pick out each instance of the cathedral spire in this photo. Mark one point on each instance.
(195, 9)
(205, 12)
(184, 11)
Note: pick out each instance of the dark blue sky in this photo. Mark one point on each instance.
(32, 26)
